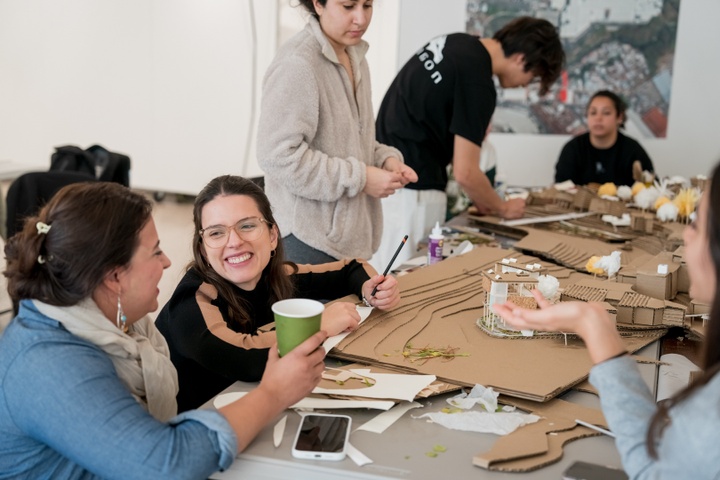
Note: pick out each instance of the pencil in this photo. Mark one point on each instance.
(387, 269)
(596, 428)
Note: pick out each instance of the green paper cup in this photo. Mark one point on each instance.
(296, 320)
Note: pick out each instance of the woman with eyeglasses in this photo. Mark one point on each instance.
(216, 321)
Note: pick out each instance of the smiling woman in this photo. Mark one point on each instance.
(218, 321)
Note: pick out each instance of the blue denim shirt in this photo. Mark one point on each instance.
(685, 447)
(64, 413)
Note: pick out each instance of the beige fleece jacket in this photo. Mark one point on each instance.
(315, 139)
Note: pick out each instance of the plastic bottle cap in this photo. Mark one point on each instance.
(437, 231)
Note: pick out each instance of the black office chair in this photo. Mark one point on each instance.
(30, 191)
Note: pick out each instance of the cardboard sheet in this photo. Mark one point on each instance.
(440, 305)
(569, 251)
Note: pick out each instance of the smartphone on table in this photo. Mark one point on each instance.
(322, 436)
(592, 471)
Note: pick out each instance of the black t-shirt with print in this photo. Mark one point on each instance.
(445, 89)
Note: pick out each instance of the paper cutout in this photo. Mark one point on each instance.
(393, 386)
(357, 456)
(383, 420)
(279, 431)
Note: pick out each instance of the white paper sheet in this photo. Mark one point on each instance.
(500, 423)
(675, 376)
(279, 431)
(313, 403)
(549, 218)
(357, 456)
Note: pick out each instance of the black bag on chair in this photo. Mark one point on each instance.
(30, 191)
(96, 161)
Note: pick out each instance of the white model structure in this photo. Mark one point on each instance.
(507, 280)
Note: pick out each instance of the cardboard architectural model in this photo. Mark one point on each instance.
(507, 281)
(630, 308)
(439, 310)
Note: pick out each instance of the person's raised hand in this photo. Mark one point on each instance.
(587, 319)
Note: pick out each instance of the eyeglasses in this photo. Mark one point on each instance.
(248, 229)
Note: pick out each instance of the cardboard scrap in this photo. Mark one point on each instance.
(540, 444)
(572, 252)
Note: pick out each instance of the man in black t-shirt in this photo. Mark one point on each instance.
(437, 111)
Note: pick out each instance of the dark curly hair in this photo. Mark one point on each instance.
(94, 228)
(539, 42)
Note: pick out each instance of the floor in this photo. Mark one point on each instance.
(173, 219)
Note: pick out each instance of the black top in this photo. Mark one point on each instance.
(210, 353)
(582, 163)
(445, 89)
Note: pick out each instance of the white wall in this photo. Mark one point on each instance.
(692, 145)
(171, 83)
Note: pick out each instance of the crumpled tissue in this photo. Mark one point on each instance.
(490, 421)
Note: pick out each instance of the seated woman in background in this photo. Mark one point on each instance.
(217, 323)
(666, 440)
(88, 390)
(603, 154)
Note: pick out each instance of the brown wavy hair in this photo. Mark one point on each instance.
(94, 228)
(538, 40)
(275, 274)
(710, 356)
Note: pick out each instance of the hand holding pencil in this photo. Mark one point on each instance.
(384, 294)
(387, 292)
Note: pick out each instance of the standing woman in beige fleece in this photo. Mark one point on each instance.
(324, 171)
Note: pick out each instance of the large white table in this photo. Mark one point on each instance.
(400, 451)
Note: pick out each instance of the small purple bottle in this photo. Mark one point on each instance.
(435, 245)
